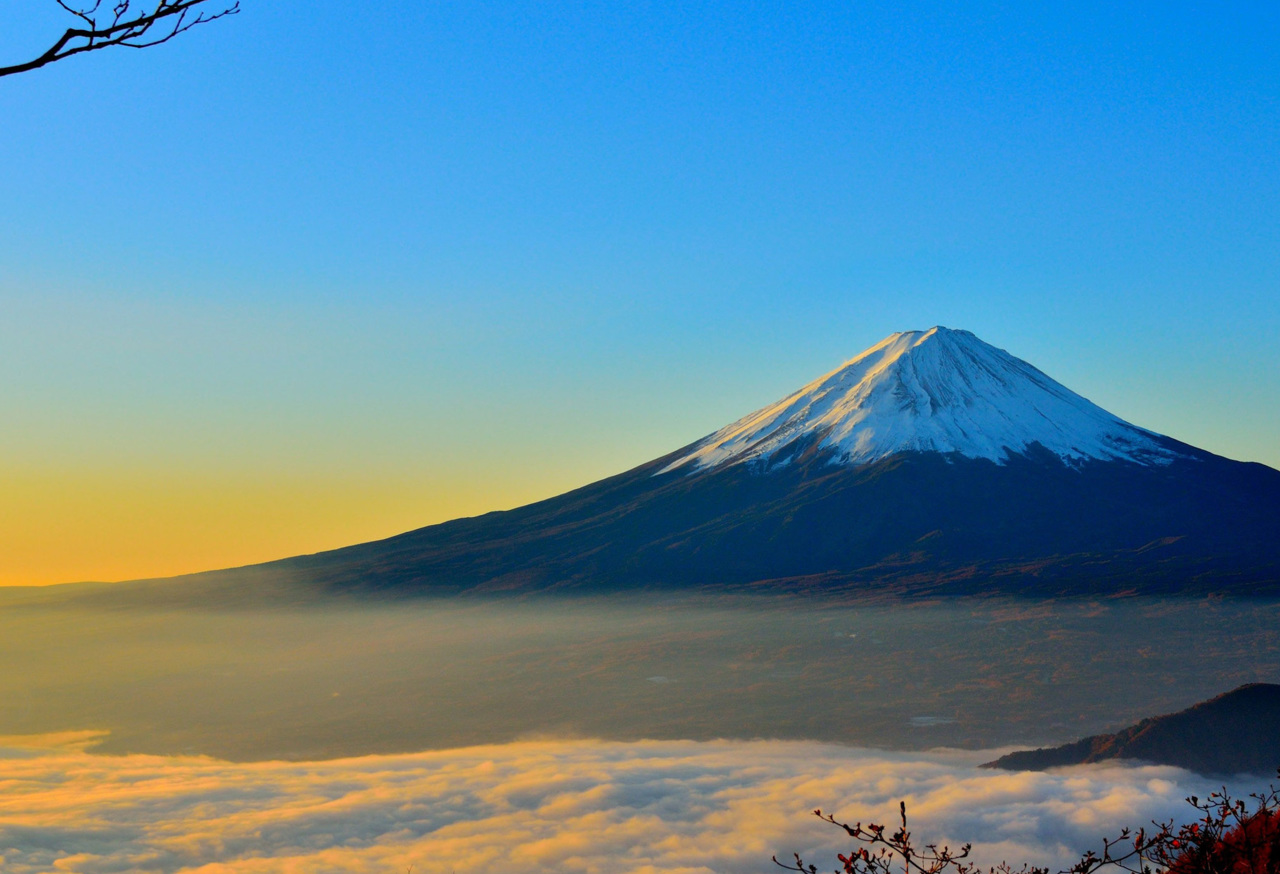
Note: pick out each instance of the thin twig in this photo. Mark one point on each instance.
(123, 29)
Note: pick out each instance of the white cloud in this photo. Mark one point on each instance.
(547, 806)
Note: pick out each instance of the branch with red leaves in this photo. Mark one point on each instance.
(1228, 837)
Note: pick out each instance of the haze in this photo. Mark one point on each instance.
(323, 679)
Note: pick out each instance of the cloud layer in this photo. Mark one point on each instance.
(554, 806)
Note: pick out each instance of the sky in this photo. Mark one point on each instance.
(305, 277)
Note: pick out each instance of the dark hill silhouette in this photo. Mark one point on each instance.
(1236, 732)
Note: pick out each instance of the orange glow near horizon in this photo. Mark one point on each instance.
(90, 526)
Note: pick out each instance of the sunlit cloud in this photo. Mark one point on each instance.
(553, 806)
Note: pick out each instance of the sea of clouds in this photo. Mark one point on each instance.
(560, 806)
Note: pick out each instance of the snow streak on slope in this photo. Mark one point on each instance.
(931, 391)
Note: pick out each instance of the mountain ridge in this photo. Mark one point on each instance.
(802, 514)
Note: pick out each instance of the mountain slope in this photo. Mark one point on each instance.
(931, 391)
(933, 463)
(1234, 733)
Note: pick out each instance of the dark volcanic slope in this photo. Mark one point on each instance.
(1235, 733)
(912, 523)
(931, 463)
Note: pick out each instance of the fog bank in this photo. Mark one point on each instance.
(534, 807)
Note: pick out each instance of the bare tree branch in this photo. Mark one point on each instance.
(123, 24)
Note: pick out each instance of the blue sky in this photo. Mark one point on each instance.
(461, 256)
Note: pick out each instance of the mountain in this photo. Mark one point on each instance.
(1235, 733)
(937, 391)
(932, 463)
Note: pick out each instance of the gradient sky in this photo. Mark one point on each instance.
(317, 274)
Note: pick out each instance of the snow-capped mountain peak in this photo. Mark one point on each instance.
(939, 390)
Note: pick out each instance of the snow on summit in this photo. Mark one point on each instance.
(939, 390)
